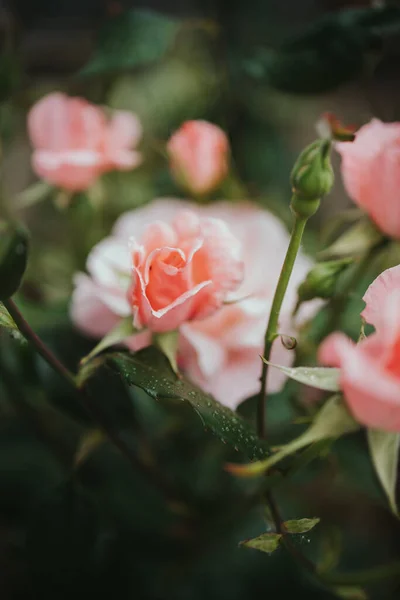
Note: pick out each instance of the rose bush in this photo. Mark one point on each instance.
(220, 344)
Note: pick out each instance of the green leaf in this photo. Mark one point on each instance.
(300, 525)
(168, 344)
(384, 449)
(13, 258)
(135, 38)
(121, 332)
(35, 193)
(6, 322)
(267, 542)
(327, 54)
(349, 592)
(332, 421)
(90, 441)
(322, 378)
(150, 370)
(356, 240)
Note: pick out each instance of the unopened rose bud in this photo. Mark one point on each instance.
(198, 153)
(322, 279)
(312, 177)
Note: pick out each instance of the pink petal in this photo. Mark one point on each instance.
(124, 160)
(68, 171)
(218, 259)
(333, 349)
(109, 265)
(133, 223)
(371, 392)
(124, 131)
(209, 353)
(170, 317)
(375, 296)
(86, 125)
(381, 198)
(48, 122)
(88, 312)
(139, 341)
(158, 235)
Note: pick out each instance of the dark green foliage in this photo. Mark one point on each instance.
(136, 38)
(150, 370)
(329, 53)
(13, 258)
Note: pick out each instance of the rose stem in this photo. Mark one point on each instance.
(272, 328)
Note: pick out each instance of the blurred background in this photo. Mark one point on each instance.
(265, 71)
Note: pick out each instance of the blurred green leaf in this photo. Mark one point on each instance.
(301, 525)
(384, 449)
(329, 53)
(150, 370)
(132, 39)
(10, 74)
(349, 592)
(168, 344)
(6, 322)
(332, 421)
(267, 542)
(90, 441)
(323, 378)
(13, 258)
(118, 334)
(37, 192)
(356, 240)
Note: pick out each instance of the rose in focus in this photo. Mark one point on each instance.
(370, 370)
(198, 154)
(74, 143)
(219, 348)
(371, 173)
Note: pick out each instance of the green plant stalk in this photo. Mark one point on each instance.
(41, 348)
(272, 328)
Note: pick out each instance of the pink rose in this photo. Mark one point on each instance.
(370, 370)
(371, 173)
(198, 153)
(220, 352)
(74, 143)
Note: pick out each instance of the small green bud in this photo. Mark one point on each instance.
(322, 279)
(312, 176)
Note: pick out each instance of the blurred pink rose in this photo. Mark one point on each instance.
(370, 370)
(74, 143)
(198, 154)
(221, 353)
(371, 173)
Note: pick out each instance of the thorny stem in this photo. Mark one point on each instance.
(272, 328)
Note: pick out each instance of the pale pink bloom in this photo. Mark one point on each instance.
(74, 143)
(370, 370)
(198, 154)
(221, 352)
(371, 173)
(182, 271)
